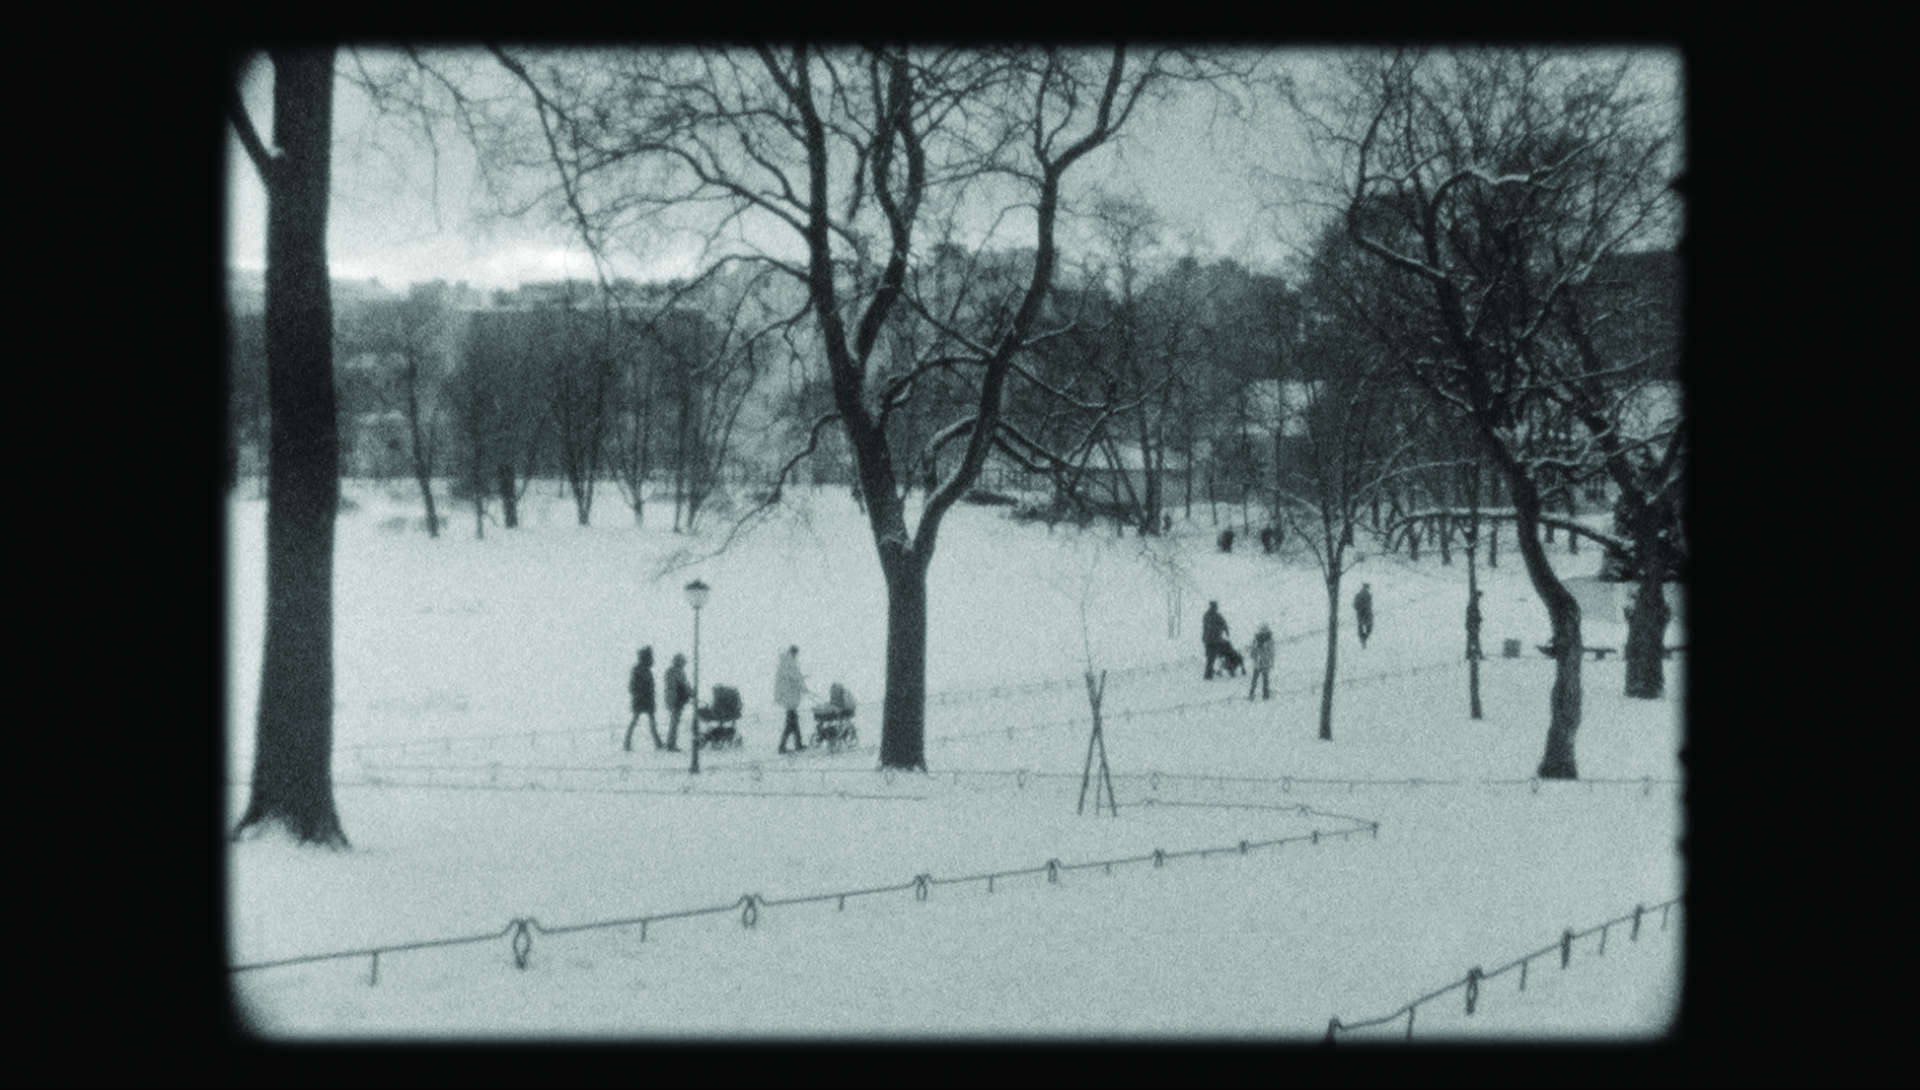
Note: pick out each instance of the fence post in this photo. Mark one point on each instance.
(1473, 988)
(522, 943)
(1333, 1027)
(1566, 947)
(375, 978)
(1637, 910)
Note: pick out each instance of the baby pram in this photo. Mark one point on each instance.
(723, 713)
(833, 721)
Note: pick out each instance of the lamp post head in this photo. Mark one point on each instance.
(697, 593)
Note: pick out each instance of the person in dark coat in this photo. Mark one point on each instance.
(640, 688)
(679, 694)
(1363, 611)
(1213, 637)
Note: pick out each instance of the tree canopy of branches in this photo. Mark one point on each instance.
(841, 168)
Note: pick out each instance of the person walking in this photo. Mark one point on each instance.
(678, 694)
(1213, 637)
(789, 689)
(1262, 663)
(640, 688)
(1363, 611)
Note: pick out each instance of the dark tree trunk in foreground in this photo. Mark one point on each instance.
(293, 751)
(1563, 614)
(1333, 647)
(1646, 637)
(903, 742)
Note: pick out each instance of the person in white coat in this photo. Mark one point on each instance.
(789, 689)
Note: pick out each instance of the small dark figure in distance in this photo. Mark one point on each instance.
(640, 688)
(789, 689)
(1473, 626)
(1363, 611)
(1262, 663)
(1226, 540)
(1213, 638)
(679, 694)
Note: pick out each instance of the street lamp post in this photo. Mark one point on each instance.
(696, 597)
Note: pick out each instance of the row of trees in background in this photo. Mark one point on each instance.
(585, 388)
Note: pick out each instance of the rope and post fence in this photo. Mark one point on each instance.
(1475, 977)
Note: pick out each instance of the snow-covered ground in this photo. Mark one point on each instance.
(480, 695)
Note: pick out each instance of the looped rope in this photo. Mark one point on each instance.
(1473, 988)
(522, 943)
(1159, 858)
(749, 911)
(1053, 871)
(921, 885)
(1243, 847)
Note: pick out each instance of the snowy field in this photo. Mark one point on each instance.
(480, 698)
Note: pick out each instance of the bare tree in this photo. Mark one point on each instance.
(498, 401)
(293, 741)
(1491, 183)
(848, 154)
(412, 339)
(1343, 458)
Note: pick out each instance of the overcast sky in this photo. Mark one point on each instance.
(395, 218)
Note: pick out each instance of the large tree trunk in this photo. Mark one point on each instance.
(1647, 631)
(293, 748)
(903, 741)
(1333, 647)
(1563, 613)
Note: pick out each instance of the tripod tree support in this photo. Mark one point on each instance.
(1095, 690)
